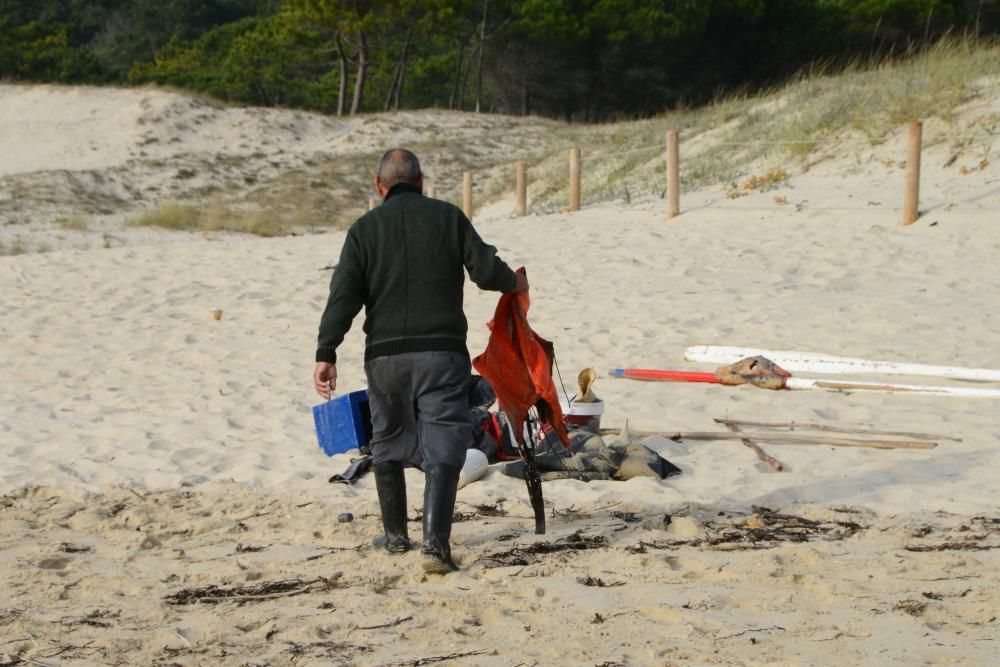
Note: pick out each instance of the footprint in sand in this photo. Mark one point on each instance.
(54, 563)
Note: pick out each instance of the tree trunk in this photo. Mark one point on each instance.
(395, 88)
(458, 77)
(392, 89)
(525, 100)
(359, 84)
(482, 51)
(342, 90)
(465, 78)
(402, 70)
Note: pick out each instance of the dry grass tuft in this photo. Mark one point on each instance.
(76, 223)
(215, 217)
(16, 247)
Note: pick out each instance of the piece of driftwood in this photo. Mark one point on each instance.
(436, 658)
(951, 546)
(835, 429)
(761, 454)
(390, 624)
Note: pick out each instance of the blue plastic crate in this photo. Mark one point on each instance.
(343, 423)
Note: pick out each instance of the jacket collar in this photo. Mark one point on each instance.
(400, 188)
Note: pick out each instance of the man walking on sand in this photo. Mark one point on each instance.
(404, 262)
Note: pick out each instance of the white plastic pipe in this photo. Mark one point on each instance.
(836, 385)
(815, 362)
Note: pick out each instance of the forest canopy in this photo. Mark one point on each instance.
(577, 59)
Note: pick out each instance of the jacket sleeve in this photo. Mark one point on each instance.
(347, 296)
(487, 270)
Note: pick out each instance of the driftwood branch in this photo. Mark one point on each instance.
(436, 658)
(761, 454)
(836, 429)
(390, 624)
(951, 546)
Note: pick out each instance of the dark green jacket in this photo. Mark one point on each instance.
(405, 262)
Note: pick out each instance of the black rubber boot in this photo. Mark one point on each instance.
(441, 486)
(391, 486)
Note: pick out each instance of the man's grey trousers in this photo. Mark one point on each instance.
(420, 408)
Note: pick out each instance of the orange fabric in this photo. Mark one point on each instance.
(517, 363)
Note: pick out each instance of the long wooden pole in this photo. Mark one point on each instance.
(804, 439)
(786, 438)
(574, 179)
(673, 176)
(429, 191)
(521, 179)
(371, 204)
(911, 203)
(803, 426)
(467, 194)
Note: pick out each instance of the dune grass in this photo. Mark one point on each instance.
(15, 248)
(787, 125)
(214, 217)
(75, 223)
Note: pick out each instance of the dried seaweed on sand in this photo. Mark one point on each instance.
(530, 554)
(263, 591)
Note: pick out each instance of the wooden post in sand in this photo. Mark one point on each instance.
(574, 179)
(521, 185)
(371, 204)
(467, 194)
(911, 202)
(673, 177)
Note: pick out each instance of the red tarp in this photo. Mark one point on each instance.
(517, 363)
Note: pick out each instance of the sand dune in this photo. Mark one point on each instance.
(147, 449)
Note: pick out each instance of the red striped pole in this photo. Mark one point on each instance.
(664, 375)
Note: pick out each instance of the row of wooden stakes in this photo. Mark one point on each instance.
(911, 209)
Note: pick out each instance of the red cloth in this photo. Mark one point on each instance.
(517, 363)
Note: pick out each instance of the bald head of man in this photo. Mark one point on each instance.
(398, 165)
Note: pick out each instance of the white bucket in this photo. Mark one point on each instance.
(475, 467)
(595, 409)
(583, 415)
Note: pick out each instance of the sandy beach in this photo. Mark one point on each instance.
(165, 501)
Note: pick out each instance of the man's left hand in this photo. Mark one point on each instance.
(325, 379)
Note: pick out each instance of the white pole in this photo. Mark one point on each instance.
(815, 362)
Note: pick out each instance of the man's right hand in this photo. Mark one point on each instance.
(521, 286)
(325, 379)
